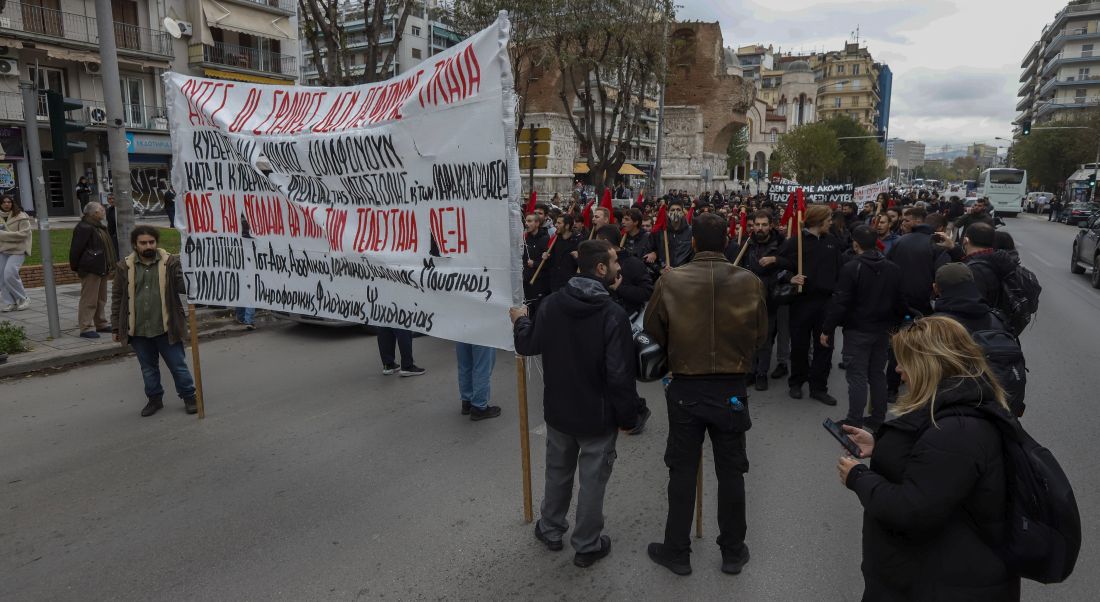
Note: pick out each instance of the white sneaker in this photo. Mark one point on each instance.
(8, 308)
(24, 304)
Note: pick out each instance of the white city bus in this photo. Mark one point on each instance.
(1005, 188)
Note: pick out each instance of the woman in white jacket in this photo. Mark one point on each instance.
(15, 245)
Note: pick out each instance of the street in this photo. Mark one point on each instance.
(315, 477)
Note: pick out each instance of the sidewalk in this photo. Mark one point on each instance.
(69, 348)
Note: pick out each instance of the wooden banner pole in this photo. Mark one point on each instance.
(195, 363)
(524, 436)
(699, 499)
(798, 228)
(741, 254)
(664, 237)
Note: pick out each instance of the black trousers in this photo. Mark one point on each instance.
(388, 338)
(807, 318)
(682, 456)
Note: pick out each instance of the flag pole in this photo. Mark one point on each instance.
(798, 227)
(524, 436)
(195, 363)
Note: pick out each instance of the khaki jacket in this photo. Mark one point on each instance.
(15, 236)
(171, 308)
(709, 315)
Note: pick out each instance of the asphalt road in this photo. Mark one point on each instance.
(314, 477)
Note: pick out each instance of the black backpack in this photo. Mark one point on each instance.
(1043, 526)
(1020, 291)
(1006, 359)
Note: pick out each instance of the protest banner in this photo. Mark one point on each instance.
(392, 204)
(870, 192)
(819, 193)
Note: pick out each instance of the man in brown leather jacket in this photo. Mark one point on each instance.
(711, 317)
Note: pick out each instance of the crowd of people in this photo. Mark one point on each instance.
(929, 299)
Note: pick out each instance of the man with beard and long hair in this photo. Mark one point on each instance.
(760, 259)
(147, 314)
(678, 232)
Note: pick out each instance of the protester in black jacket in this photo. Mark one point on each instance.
(634, 285)
(678, 233)
(760, 258)
(868, 305)
(562, 260)
(634, 240)
(934, 496)
(958, 297)
(918, 256)
(821, 266)
(535, 243)
(588, 392)
(990, 266)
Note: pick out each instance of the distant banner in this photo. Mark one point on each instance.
(870, 192)
(391, 204)
(822, 193)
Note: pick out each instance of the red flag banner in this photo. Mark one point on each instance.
(586, 213)
(532, 202)
(661, 221)
(605, 202)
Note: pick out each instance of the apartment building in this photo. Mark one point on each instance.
(849, 85)
(427, 33)
(1061, 71)
(909, 154)
(55, 44)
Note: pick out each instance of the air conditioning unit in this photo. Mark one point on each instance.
(186, 28)
(9, 67)
(93, 68)
(97, 116)
(5, 50)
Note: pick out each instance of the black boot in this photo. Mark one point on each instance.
(190, 405)
(155, 404)
(732, 562)
(681, 565)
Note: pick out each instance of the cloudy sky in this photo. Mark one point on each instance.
(956, 63)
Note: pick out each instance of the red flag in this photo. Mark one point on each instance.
(744, 221)
(788, 213)
(688, 214)
(661, 222)
(641, 199)
(880, 246)
(605, 202)
(801, 203)
(586, 213)
(531, 203)
(553, 239)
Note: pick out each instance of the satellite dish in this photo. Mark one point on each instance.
(172, 27)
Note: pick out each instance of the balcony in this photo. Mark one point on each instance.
(251, 59)
(1080, 102)
(288, 7)
(1068, 59)
(1075, 34)
(1077, 11)
(1024, 103)
(135, 116)
(1026, 89)
(1073, 80)
(36, 23)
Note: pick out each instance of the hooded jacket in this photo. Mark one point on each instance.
(172, 285)
(758, 250)
(963, 303)
(821, 261)
(589, 389)
(15, 234)
(933, 497)
(990, 268)
(866, 297)
(679, 245)
(918, 258)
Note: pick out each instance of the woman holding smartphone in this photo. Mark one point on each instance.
(934, 496)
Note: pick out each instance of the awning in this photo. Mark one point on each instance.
(446, 34)
(580, 168)
(629, 170)
(247, 20)
(244, 77)
(65, 54)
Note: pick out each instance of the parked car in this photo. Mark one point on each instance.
(1077, 213)
(1086, 250)
(321, 321)
(1037, 202)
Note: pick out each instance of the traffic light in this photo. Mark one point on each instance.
(1025, 127)
(61, 126)
(1092, 181)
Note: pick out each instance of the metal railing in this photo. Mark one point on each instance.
(47, 22)
(135, 116)
(232, 55)
(283, 5)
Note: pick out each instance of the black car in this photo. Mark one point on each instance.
(1086, 250)
(1077, 213)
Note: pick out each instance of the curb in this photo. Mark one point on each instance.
(215, 328)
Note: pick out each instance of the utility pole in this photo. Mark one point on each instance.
(116, 130)
(38, 190)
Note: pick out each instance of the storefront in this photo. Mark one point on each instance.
(150, 170)
(15, 173)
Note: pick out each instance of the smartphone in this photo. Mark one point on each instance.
(842, 437)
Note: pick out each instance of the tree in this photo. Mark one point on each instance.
(610, 56)
(811, 152)
(1050, 156)
(737, 153)
(528, 52)
(864, 160)
(964, 168)
(324, 31)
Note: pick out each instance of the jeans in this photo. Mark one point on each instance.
(403, 339)
(147, 350)
(865, 357)
(807, 318)
(594, 456)
(245, 315)
(783, 335)
(682, 456)
(475, 371)
(11, 287)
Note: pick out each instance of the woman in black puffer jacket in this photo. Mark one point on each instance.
(934, 497)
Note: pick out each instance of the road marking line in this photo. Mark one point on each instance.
(1041, 260)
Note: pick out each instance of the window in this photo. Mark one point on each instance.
(857, 84)
(836, 102)
(47, 78)
(855, 69)
(773, 136)
(840, 87)
(840, 69)
(132, 106)
(415, 31)
(855, 101)
(1086, 50)
(1083, 73)
(1079, 96)
(416, 53)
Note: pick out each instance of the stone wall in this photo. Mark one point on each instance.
(33, 276)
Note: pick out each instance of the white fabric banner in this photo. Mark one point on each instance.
(870, 192)
(391, 204)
